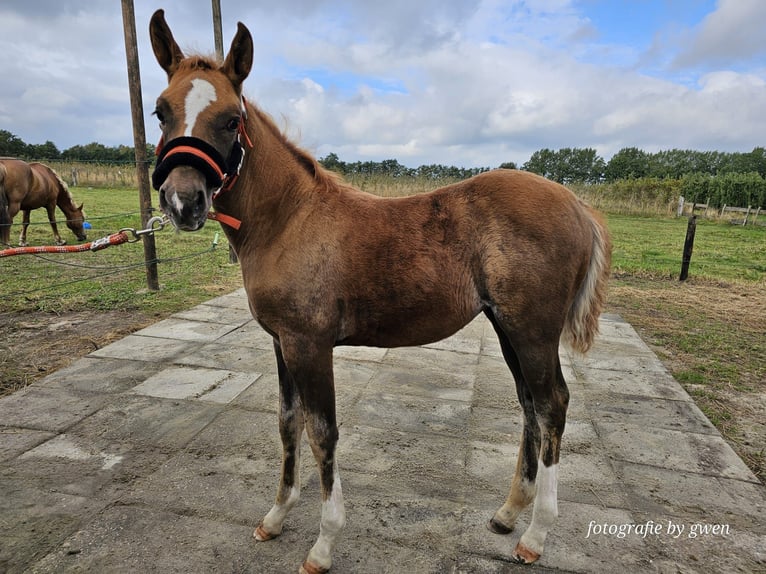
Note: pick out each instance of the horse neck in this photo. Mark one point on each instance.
(275, 181)
(64, 198)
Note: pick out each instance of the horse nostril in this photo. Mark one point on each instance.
(201, 201)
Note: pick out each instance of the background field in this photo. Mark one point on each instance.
(708, 330)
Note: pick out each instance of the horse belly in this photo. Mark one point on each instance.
(409, 315)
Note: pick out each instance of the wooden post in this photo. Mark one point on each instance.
(691, 228)
(139, 141)
(217, 30)
(218, 34)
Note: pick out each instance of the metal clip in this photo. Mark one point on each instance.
(156, 223)
(99, 244)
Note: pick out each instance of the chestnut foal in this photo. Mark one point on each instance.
(325, 264)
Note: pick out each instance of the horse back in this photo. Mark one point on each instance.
(44, 189)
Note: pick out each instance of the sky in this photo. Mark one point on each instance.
(470, 83)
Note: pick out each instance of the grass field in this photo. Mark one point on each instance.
(190, 268)
(708, 330)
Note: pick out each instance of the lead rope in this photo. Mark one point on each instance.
(124, 235)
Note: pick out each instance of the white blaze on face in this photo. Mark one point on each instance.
(201, 95)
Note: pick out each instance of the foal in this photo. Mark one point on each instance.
(325, 264)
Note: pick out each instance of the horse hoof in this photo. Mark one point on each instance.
(309, 568)
(498, 527)
(61, 242)
(262, 535)
(525, 555)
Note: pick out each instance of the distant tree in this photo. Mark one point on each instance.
(543, 162)
(48, 151)
(11, 145)
(333, 163)
(628, 163)
(508, 165)
(567, 165)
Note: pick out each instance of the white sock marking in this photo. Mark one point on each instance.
(546, 508)
(201, 95)
(330, 526)
(275, 518)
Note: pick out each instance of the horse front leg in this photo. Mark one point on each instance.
(291, 423)
(58, 240)
(310, 365)
(24, 225)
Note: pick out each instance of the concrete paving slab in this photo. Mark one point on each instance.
(149, 349)
(16, 441)
(35, 521)
(49, 409)
(161, 452)
(227, 357)
(131, 539)
(209, 385)
(102, 375)
(214, 314)
(186, 330)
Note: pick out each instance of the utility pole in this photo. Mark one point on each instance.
(139, 142)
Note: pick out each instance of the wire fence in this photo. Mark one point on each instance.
(109, 278)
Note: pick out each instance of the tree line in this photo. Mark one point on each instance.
(732, 178)
(584, 165)
(392, 168)
(13, 146)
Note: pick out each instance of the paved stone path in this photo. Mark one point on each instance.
(160, 452)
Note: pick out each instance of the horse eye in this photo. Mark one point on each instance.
(160, 116)
(233, 124)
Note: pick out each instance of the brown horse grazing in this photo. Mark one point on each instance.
(325, 264)
(27, 186)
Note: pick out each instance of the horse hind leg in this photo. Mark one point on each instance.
(551, 399)
(544, 398)
(523, 484)
(291, 424)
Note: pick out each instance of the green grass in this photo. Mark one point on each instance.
(653, 247)
(190, 268)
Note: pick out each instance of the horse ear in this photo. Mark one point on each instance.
(166, 50)
(240, 57)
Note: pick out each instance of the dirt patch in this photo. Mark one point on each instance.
(34, 344)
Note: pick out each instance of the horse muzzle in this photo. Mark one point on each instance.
(185, 198)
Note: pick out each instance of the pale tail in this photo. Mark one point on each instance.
(581, 325)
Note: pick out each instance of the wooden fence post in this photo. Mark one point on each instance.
(691, 228)
(139, 141)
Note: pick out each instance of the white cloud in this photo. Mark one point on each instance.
(476, 82)
(732, 33)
